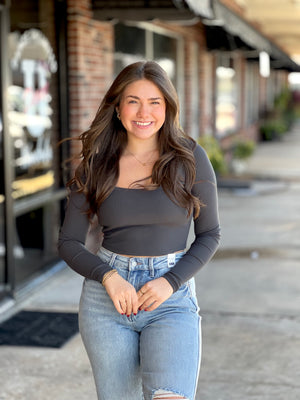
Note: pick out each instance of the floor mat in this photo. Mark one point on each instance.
(38, 329)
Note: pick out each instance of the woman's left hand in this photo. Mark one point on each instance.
(153, 294)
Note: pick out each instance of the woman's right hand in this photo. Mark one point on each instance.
(122, 294)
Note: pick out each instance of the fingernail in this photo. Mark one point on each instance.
(122, 313)
(134, 313)
(128, 316)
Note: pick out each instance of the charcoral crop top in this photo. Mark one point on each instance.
(143, 222)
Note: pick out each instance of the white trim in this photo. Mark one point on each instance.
(180, 80)
(149, 44)
(195, 106)
(154, 28)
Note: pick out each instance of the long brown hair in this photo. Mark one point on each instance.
(105, 140)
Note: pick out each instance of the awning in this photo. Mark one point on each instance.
(202, 8)
(218, 38)
(225, 30)
(149, 10)
(236, 26)
(228, 31)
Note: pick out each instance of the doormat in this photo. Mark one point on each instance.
(38, 329)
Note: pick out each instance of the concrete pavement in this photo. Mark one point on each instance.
(250, 292)
(249, 297)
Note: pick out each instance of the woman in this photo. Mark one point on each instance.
(145, 180)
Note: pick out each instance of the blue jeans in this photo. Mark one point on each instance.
(134, 357)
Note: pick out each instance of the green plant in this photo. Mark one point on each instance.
(283, 100)
(243, 149)
(214, 152)
(278, 121)
(273, 128)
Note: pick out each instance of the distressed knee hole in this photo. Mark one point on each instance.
(167, 395)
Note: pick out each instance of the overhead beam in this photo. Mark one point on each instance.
(291, 41)
(286, 35)
(143, 14)
(267, 14)
(283, 27)
(278, 19)
(275, 3)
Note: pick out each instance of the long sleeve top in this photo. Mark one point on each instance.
(141, 222)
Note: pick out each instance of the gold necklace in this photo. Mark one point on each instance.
(144, 164)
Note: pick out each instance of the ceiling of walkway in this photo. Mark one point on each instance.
(278, 19)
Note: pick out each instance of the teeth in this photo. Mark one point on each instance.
(143, 123)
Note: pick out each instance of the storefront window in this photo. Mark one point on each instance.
(2, 236)
(252, 90)
(30, 111)
(130, 45)
(226, 102)
(135, 43)
(165, 53)
(32, 115)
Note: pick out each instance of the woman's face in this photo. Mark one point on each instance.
(142, 109)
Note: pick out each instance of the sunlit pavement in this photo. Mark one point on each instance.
(250, 293)
(249, 297)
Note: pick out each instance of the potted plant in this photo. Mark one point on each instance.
(214, 152)
(242, 150)
(273, 128)
(279, 120)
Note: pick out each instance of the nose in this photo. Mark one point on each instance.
(143, 111)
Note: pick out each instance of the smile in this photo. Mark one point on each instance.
(142, 123)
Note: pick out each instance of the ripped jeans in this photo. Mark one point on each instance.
(136, 357)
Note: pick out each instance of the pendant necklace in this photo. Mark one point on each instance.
(144, 164)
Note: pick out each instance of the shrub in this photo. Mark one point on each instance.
(273, 128)
(214, 152)
(243, 149)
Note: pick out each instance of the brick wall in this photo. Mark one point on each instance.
(90, 58)
(191, 35)
(91, 47)
(91, 50)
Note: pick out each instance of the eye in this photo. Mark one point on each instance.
(155, 102)
(132, 102)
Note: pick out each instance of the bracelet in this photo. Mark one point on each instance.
(108, 274)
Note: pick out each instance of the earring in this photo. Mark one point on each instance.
(118, 115)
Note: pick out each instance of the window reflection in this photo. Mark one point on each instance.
(2, 236)
(134, 44)
(130, 46)
(32, 63)
(226, 105)
(165, 53)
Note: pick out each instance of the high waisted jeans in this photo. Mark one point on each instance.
(134, 357)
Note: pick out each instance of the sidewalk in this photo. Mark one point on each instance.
(250, 292)
(249, 297)
(278, 160)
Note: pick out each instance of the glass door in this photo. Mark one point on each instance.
(2, 221)
(30, 128)
(33, 112)
(3, 204)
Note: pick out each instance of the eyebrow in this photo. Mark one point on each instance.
(137, 98)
